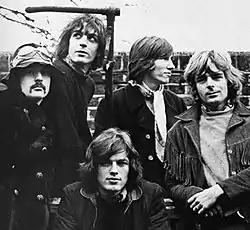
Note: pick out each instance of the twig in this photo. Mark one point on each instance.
(18, 12)
(39, 30)
(74, 2)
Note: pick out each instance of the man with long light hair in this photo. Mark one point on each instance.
(208, 149)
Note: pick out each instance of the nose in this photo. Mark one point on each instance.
(210, 82)
(39, 76)
(113, 170)
(83, 41)
(170, 64)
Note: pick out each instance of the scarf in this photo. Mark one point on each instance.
(156, 104)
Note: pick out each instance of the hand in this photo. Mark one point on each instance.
(214, 211)
(202, 201)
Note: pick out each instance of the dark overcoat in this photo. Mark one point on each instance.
(26, 166)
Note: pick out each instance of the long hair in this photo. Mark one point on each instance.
(105, 145)
(198, 65)
(143, 53)
(92, 22)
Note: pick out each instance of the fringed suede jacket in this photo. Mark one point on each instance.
(184, 172)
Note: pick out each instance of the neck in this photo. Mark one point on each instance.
(216, 107)
(113, 196)
(152, 85)
(78, 68)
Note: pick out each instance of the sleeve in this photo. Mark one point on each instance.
(236, 187)
(179, 168)
(158, 219)
(65, 219)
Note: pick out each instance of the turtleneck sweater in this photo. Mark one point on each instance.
(213, 126)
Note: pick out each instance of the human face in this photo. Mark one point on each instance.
(212, 88)
(35, 81)
(83, 46)
(113, 173)
(160, 73)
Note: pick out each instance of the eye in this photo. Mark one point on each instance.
(201, 79)
(92, 37)
(217, 76)
(105, 164)
(45, 72)
(122, 163)
(77, 34)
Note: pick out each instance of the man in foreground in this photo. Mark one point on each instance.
(112, 194)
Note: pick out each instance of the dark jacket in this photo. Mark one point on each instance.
(145, 209)
(131, 113)
(26, 141)
(184, 171)
(27, 161)
(74, 92)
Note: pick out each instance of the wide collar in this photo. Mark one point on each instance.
(192, 116)
(135, 194)
(135, 99)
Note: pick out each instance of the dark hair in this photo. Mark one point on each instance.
(105, 145)
(91, 22)
(144, 52)
(198, 64)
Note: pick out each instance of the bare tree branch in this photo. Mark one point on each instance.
(18, 12)
(74, 2)
(34, 29)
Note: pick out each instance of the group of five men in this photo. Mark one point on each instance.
(149, 147)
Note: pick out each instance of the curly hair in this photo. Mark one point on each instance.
(144, 52)
(105, 145)
(92, 22)
(198, 64)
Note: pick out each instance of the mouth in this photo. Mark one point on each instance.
(212, 94)
(167, 74)
(113, 180)
(38, 88)
(82, 53)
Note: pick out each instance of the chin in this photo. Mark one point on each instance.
(113, 188)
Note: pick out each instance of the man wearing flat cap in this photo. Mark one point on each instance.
(27, 140)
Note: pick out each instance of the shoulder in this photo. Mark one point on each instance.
(150, 188)
(172, 96)
(73, 189)
(120, 91)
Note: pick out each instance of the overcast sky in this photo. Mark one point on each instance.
(188, 24)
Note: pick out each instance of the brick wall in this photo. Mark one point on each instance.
(240, 60)
(177, 84)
